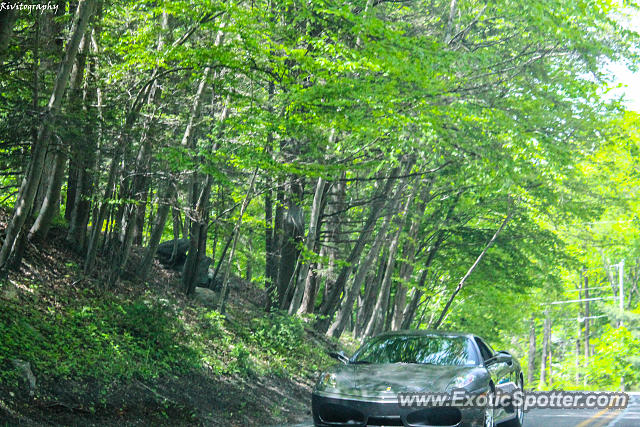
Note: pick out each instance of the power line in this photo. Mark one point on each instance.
(581, 300)
(588, 289)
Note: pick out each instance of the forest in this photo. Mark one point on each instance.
(368, 165)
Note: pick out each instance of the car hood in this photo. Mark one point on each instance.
(387, 380)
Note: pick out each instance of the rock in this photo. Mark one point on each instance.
(25, 369)
(214, 284)
(9, 291)
(206, 296)
(165, 249)
(202, 272)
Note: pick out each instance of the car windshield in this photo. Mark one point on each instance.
(422, 349)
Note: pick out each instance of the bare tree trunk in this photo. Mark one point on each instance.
(471, 269)
(100, 214)
(406, 271)
(344, 313)
(31, 180)
(129, 226)
(410, 310)
(51, 201)
(270, 276)
(531, 360)
(154, 239)
(225, 282)
(302, 293)
(199, 222)
(292, 232)
(7, 19)
(370, 294)
(452, 14)
(163, 210)
(329, 306)
(83, 161)
(378, 317)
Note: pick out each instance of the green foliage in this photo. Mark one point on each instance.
(615, 360)
(279, 333)
(109, 342)
(500, 112)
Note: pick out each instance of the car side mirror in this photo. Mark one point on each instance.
(340, 356)
(504, 357)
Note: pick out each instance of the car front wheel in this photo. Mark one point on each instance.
(518, 421)
(488, 411)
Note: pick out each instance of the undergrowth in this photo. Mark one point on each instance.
(106, 339)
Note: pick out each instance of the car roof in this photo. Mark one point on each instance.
(424, 332)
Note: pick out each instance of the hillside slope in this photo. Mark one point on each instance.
(74, 353)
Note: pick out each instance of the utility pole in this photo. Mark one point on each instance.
(621, 288)
(621, 284)
(579, 330)
(545, 349)
(587, 349)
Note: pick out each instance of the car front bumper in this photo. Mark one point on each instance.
(342, 411)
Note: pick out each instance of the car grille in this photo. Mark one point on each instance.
(384, 421)
(437, 416)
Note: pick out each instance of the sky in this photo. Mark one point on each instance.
(629, 81)
(630, 85)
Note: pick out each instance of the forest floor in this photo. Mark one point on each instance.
(75, 353)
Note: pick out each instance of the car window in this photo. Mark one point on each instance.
(421, 349)
(485, 350)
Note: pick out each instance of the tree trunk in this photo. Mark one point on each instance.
(198, 224)
(370, 294)
(32, 177)
(329, 306)
(236, 232)
(269, 274)
(170, 192)
(100, 214)
(138, 185)
(406, 271)
(7, 19)
(409, 311)
(302, 293)
(376, 322)
(291, 234)
(84, 160)
(344, 313)
(51, 201)
(531, 360)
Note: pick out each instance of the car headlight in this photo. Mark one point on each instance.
(461, 381)
(327, 381)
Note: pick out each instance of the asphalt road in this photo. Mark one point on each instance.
(629, 417)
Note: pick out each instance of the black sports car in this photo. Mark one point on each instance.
(364, 390)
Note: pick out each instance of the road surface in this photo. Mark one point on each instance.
(629, 417)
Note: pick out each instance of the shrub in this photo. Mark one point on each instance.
(278, 333)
